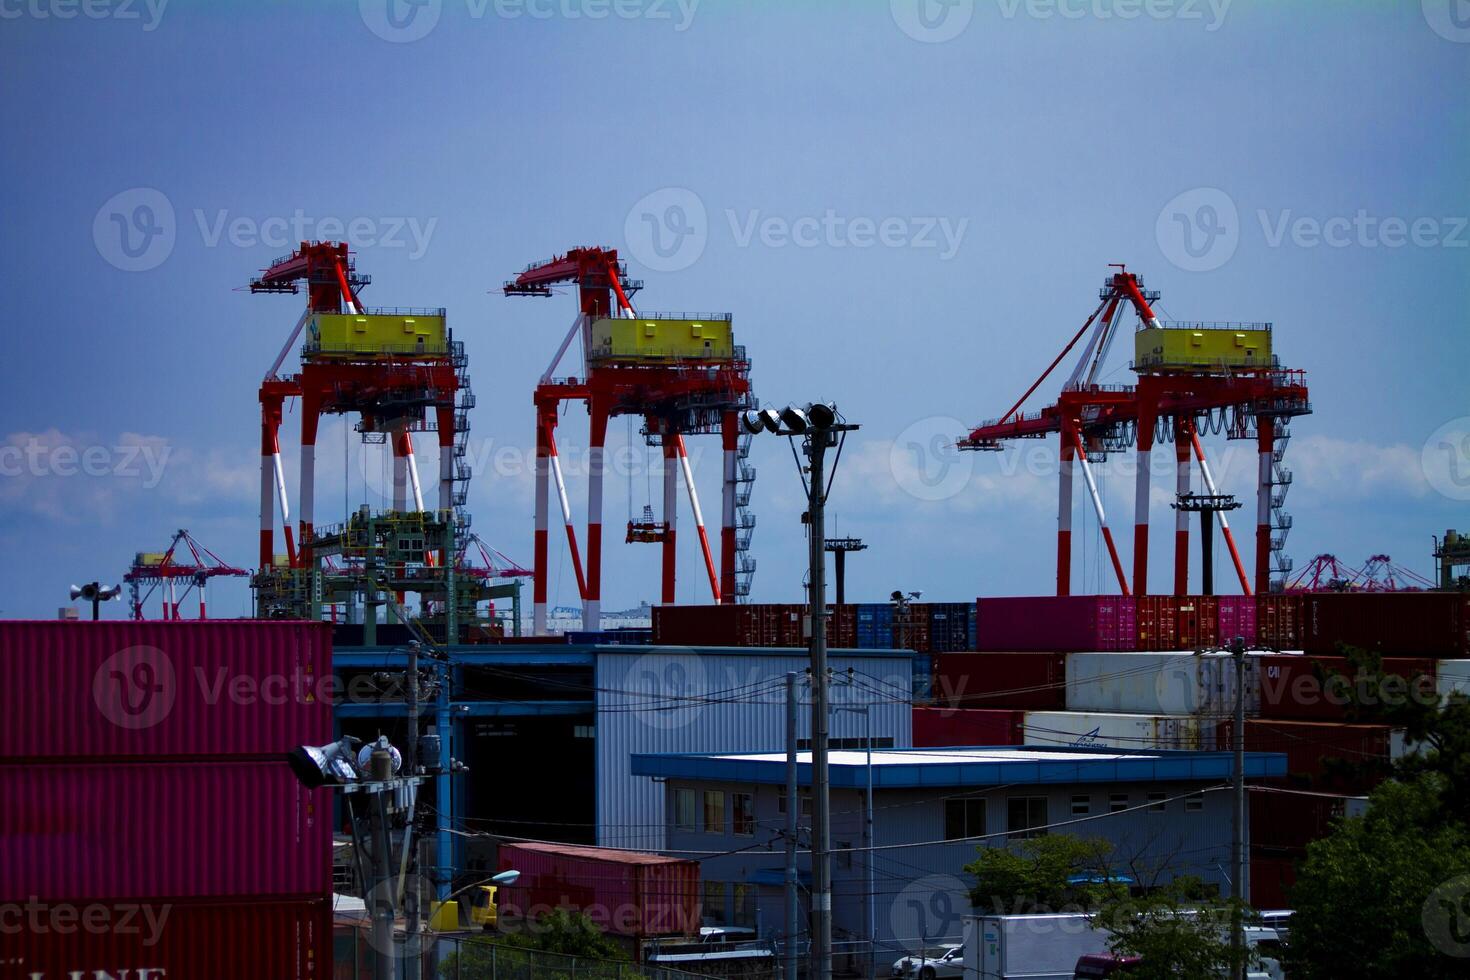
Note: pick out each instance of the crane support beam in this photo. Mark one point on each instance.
(1213, 490)
(1102, 517)
(709, 561)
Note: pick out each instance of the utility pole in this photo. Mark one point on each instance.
(816, 450)
(413, 955)
(1238, 841)
(793, 809)
(820, 428)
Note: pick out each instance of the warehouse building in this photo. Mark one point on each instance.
(1165, 813)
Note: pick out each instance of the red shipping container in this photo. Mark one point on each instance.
(1284, 823)
(121, 689)
(1415, 624)
(1057, 624)
(698, 626)
(1237, 618)
(1158, 623)
(1290, 687)
(624, 892)
(162, 830)
(937, 728)
(1272, 879)
(1020, 681)
(1279, 622)
(1309, 745)
(138, 940)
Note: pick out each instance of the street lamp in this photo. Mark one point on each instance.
(820, 427)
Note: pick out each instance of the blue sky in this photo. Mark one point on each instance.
(907, 214)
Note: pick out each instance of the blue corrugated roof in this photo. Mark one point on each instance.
(969, 766)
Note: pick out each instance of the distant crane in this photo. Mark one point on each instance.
(1194, 379)
(682, 374)
(1325, 573)
(166, 569)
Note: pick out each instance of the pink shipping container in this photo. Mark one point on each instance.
(937, 728)
(247, 941)
(115, 690)
(1237, 618)
(1059, 624)
(624, 892)
(162, 830)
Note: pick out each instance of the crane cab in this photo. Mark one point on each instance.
(662, 337)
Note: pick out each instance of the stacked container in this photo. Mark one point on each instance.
(144, 778)
(946, 727)
(1056, 623)
(1000, 680)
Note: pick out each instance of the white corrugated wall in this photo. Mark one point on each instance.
(676, 699)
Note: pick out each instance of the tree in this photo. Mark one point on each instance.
(1175, 930)
(1051, 872)
(561, 944)
(1362, 897)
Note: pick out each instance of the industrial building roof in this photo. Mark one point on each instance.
(961, 767)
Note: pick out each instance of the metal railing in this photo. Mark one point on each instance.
(676, 315)
(476, 959)
(1213, 325)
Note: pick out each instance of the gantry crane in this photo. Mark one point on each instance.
(1193, 379)
(400, 371)
(1325, 573)
(166, 569)
(683, 375)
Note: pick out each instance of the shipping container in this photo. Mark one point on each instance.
(175, 941)
(1311, 688)
(124, 689)
(624, 892)
(1237, 617)
(874, 625)
(1086, 729)
(1000, 680)
(1056, 623)
(699, 626)
(1164, 683)
(1272, 879)
(923, 689)
(1279, 622)
(945, 727)
(1412, 624)
(1327, 757)
(162, 830)
(950, 626)
(1283, 822)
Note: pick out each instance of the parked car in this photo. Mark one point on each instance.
(946, 961)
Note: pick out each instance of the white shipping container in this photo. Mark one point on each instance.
(1159, 683)
(1037, 947)
(1089, 729)
(1454, 678)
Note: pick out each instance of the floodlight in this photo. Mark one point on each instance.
(752, 422)
(370, 759)
(795, 420)
(771, 419)
(318, 765)
(823, 415)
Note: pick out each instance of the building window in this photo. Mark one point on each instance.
(964, 818)
(742, 814)
(806, 802)
(1081, 806)
(1156, 802)
(1194, 803)
(584, 731)
(714, 811)
(686, 810)
(1025, 816)
(714, 903)
(1117, 801)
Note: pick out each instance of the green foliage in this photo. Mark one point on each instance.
(1176, 934)
(1035, 875)
(545, 947)
(1361, 895)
